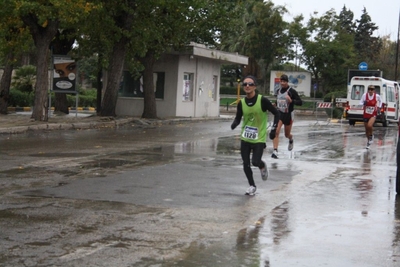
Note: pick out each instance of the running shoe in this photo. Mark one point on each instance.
(274, 154)
(369, 144)
(264, 172)
(251, 191)
(290, 146)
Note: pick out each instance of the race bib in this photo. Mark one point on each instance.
(250, 133)
(369, 110)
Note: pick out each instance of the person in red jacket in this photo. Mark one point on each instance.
(372, 105)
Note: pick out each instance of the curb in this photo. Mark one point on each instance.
(18, 109)
(67, 126)
(105, 122)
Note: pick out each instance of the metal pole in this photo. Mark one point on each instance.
(76, 104)
(238, 91)
(51, 83)
(397, 51)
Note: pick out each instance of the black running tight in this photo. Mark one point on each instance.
(245, 151)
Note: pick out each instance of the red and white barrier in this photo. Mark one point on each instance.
(324, 105)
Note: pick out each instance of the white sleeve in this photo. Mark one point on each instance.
(362, 100)
(379, 99)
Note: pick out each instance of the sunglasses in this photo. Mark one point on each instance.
(249, 84)
(371, 89)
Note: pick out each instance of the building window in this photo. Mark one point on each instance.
(214, 88)
(131, 87)
(187, 94)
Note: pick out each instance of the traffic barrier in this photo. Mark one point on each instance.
(323, 105)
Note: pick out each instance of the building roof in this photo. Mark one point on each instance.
(200, 50)
(225, 57)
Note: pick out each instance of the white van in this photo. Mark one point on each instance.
(388, 90)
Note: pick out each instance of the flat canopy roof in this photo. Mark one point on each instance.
(199, 50)
(202, 51)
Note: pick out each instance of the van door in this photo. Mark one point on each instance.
(391, 101)
(396, 95)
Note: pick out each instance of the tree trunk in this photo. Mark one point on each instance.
(115, 69)
(150, 108)
(42, 38)
(61, 103)
(252, 68)
(40, 106)
(5, 84)
(99, 84)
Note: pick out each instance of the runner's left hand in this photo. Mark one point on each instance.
(272, 133)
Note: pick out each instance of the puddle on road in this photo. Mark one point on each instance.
(170, 153)
(244, 251)
(21, 171)
(29, 172)
(107, 163)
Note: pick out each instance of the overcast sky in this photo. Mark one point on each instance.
(384, 13)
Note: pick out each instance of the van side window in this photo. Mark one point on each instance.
(357, 91)
(391, 95)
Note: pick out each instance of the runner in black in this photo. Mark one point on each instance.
(287, 97)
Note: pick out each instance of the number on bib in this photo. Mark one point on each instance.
(250, 133)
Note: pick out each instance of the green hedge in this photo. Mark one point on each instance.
(228, 90)
(20, 99)
(86, 98)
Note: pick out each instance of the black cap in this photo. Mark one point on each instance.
(284, 77)
(251, 77)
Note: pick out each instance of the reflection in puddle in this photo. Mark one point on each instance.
(396, 231)
(279, 222)
(108, 163)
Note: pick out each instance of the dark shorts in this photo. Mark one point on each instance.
(286, 118)
(367, 119)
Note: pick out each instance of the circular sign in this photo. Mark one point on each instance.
(363, 66)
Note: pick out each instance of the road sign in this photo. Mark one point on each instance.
(341, 100)
(363, 66)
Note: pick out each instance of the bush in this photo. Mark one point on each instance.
(228, 90)
(336, 112)
(337, 94)
(318, 94)
(20, 99)
(86, 98)
(24, 79)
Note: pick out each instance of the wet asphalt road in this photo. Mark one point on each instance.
(172, 195)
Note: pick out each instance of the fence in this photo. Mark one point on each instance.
(323, 105)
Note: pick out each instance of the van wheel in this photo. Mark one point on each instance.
(352, 122)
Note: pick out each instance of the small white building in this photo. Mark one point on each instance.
(186, 84)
